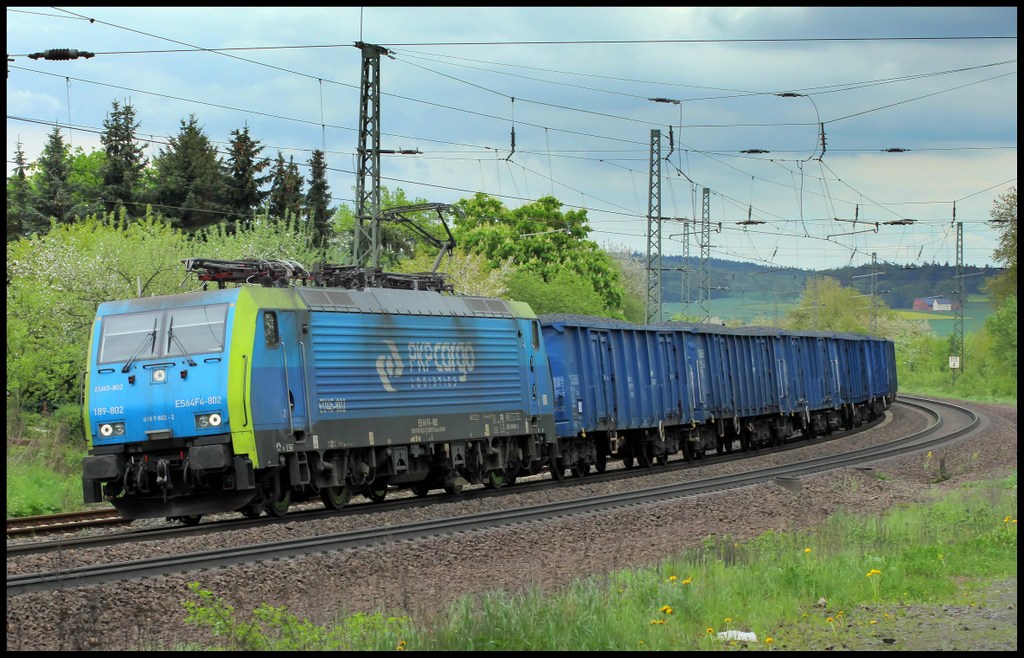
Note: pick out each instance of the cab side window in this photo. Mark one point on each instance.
(270, 333)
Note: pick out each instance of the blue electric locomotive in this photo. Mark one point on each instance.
(251, 397)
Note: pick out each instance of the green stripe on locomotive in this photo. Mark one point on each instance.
(91, 358)
(251, 300)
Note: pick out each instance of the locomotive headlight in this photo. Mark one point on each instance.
(204, 421)
(159, 375)
(112, 429)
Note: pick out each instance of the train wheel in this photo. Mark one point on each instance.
(335, 497)
(421, 489)
(602, 463)
(627, 456)
(644, 457)
(495, 479)
(377, 491)
(580, 469)
(557, 469)
(280, 506)
(189, 520)
(252, 510)
(662, 460)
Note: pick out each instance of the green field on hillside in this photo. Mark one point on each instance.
(746, 309)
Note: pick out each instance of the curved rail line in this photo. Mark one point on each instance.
(405, 500)
(930, 437)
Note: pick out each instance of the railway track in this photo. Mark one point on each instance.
(957, 422)
(64, 522)
(396, 501)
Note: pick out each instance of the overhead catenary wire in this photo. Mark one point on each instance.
(550, 152)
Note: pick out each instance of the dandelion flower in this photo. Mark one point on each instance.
(710, 630)
(728, 620)
(830, 620)
(672, 578)
(807, 550)
(768, 640)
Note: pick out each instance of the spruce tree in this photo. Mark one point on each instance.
(294, 198)
(286, 197)
(191, 182)
(318, 199)
(22, 217)
(53, 189)
(245, 164)
(278, 201)
(125, 162)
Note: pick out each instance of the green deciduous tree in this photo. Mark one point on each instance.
(565, 292)
(86, 182)
(470, 274)
(828, 306)
(1004, 220)
(56, 281)
(265, 237)
(397, 243)
(541, 240)
(633, 274)
(1002, 327)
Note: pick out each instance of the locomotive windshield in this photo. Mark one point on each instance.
(141, 336)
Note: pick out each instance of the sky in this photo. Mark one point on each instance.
(824, 136)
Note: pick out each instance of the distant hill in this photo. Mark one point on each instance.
(781, 285)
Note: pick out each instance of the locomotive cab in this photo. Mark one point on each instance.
(156, 405)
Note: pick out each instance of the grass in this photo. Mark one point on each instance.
(44, 472)
(793, 591)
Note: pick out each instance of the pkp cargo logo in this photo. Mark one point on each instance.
(389, 366)
(435, 365)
